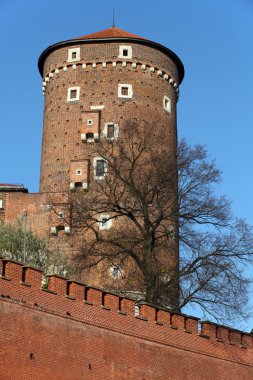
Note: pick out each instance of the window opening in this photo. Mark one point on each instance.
(125, 51)
(110, 131)
(89, 136)
(90, 122)
(73, 94)
(78, 172)
(73, 55)
(124, 90)
(116, 272)
(167, 104)
(100, 168)
(104, 222)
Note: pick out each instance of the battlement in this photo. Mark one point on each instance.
(73, 299)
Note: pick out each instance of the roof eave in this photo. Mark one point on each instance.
(167, 51)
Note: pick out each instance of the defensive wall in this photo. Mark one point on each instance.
(70, 330)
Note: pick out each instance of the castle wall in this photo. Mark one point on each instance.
(41, 210)
(72, 331)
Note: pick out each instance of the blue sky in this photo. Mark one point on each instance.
(213, 38)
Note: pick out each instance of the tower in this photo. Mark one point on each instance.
(93, 85)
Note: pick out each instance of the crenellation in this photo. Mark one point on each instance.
(127, 306)
(76, 290)
(110, 301)
(177, 321)
(57, 284)
(93, 295)
(12, 270)
(148, 311)
(235, 338)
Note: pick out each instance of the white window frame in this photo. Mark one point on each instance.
(167, 103)
(129, 51)
(78, 170)
(116, 131)
(1, 203)
(74, 50)
(77, 89)
(130, 91)
(108, 223)
(95, 165)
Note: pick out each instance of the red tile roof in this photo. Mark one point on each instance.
(112, 32)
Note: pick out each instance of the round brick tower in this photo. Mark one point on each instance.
(92, 86)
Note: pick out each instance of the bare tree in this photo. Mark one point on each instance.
(215, 247)
(138, 191)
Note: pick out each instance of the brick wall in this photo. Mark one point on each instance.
(65, 121)
(72, 331)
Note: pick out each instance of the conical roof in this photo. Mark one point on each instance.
(110, 35)
(112, 32)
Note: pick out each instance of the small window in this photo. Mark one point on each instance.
(125, 52)
(78, 172)
(90, 122)
(105, 222)
(100, 168)
(74, 55)
(167, 104)
(73, 94)
(60, 214)
(110, 131)
(115, 272)
(89, 136)
(125, 91)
